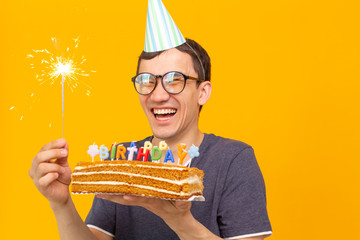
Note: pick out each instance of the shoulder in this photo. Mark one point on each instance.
(214, 139)
(219, 154)
(229, 146)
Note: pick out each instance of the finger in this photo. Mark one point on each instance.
(117, 199)
(142, 201)
(49, 155)
(182, 204)
(47, 179)
(45, 168)
(58, 143)
(63, 160)
(31, 172)
(130, 197)
(133, 198)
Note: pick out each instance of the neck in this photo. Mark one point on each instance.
(196, 138)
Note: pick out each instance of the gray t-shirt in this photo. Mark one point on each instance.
(234, 191)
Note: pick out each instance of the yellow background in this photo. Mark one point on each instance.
(285, 80)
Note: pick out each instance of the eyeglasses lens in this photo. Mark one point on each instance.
(173, 82)
(145, 83)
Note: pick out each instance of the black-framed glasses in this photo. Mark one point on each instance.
(173, 82)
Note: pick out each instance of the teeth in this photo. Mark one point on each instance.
(162, 118)
(164, 111)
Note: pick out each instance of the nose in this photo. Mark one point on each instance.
(159, 94)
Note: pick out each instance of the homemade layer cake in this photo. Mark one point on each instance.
(139, 178)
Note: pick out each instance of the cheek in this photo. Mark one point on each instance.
(190, 103)
(142, 100)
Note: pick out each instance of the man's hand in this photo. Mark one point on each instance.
(51, 173)
(166, 209)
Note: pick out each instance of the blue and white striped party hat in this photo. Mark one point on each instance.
(161, 30)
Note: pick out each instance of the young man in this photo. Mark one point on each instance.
(173, 82)
(235, 206)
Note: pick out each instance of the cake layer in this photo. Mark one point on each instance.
(98, 188)
(146, 168)
(116, 187)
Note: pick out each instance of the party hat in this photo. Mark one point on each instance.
(161, 30)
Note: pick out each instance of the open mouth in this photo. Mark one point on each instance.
(164, 113)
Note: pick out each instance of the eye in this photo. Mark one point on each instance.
(177, 78)
(174, 77)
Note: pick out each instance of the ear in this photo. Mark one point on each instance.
(205, 92)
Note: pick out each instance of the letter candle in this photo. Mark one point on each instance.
(143, 153)
(132, 144)
(113, 149)
(121, 150)
(163, 145)
(155, 150)
(131, 151)
(104, 152)
(169, 156)
(181, 152)
(148, 145)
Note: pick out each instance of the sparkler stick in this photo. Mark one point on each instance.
(62, 91)
(63, 69)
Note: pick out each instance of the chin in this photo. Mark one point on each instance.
(163, 134)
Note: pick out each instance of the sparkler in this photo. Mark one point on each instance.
(51, 67)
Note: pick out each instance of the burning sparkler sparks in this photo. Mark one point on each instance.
(50, 66)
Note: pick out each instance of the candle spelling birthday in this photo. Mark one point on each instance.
(117, 152)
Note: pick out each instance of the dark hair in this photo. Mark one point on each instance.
(200, 58)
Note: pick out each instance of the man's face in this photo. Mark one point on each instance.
(171, 116)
